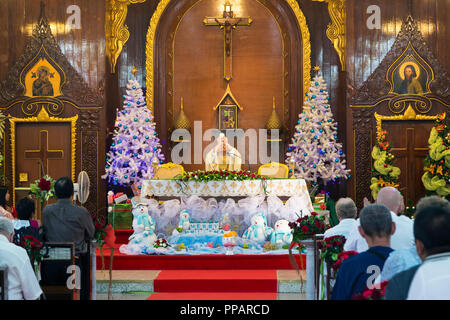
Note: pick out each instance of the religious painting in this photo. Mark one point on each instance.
(410, 78)
(227, 117)
(42, 80)
(228, 109)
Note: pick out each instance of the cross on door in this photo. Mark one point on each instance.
(44, 154)
(227, 22)
(414, 157)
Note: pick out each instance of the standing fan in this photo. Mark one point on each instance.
(81, 188)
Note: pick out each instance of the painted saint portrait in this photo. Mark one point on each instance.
(410, 78)
(42, 85)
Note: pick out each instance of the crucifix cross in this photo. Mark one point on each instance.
(227, 22)
(44, 154)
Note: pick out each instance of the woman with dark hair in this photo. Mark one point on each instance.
(410, 84)
(4, 198)
(25, 210)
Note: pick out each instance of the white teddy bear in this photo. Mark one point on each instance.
(282, 234)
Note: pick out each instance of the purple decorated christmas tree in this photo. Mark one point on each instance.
(135, 144)
(315, 155)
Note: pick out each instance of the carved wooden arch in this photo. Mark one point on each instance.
(376, 96)
(76, 101)
(160, 35)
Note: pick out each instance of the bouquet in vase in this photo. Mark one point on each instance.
(43, 189)
(305, 227)
(329, 248)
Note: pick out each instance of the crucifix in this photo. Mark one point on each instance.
(44, 154)
(227, 22)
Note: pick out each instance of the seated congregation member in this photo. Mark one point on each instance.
(21, 279)
(403, 237)
(25, 209)
(66, 222)
(431, 281)
(346, 212)
(401, 260)
(353, 275)
(4, 198)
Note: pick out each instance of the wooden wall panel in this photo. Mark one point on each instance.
(85, 51)
(84, 48)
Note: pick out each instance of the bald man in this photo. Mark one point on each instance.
(223, 156)
(403, 238)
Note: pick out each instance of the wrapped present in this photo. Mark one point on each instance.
(121, 216)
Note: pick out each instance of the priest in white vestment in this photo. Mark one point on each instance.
(223, 156)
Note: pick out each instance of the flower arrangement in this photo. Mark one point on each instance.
(375, 292)
(43, 189)
(384, 173)
(104, 233)
(306, 227)
(329, 248)
(204, 176)
(33, 247)
(161, 243)
(341, 258)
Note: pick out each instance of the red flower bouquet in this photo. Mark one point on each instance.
(376, 292)
(341, 258)
(33, 247)
(104, 233)
(43, 189)
(329, 248)
(305, 227)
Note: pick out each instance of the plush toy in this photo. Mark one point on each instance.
(282, 234)
(143, 224)
(258, 230)
(184, 222)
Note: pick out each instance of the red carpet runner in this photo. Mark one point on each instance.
(215, 285)
(196, 262)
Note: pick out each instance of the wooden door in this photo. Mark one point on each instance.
(41, 148)
(409, 142)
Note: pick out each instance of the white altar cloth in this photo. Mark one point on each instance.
(246, 188)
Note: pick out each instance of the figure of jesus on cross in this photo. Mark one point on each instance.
(227, 22)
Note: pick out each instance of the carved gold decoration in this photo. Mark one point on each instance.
(274, 121)
(116, 31)
(23, 177)
(150, 44)
(43, 116)
(306, 44)
(336, 29)
(149, 51)
(409, 114)
(182, 121)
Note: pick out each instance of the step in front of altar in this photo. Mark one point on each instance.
(139, 284)
(196, 262)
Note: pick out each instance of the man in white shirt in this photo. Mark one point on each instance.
(22, 281)
(346, 212)
(432, 232)
(403, 237)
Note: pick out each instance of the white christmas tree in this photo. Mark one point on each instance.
(315, 155)
(135, 144)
